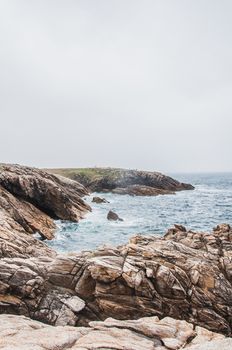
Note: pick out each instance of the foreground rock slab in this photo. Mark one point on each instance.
(150, 333)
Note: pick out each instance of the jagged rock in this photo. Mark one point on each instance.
(99, 200)
(24, 214)
(150, 333)
(113, 216)
(184, 275)
(124, 181)
(222, 228)
(30, 199)
(15, 242)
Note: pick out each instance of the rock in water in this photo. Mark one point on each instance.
(99, 200)
(113, 216)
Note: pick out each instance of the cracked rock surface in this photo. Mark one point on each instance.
(185, 275)
(147, 333)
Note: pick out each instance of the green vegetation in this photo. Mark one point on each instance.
(89, 174)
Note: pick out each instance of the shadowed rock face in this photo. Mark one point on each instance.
(185, 275)
(141, 190)
(122, 181)
(148, 333)
(113, 216)
(31, 198)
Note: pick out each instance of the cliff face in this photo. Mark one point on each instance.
(30, 199)
(124, 181)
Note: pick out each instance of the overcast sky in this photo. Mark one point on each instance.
(141, 84)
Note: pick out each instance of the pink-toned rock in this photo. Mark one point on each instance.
(17, 332)
(183, 275)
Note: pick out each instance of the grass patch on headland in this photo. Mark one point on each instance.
(91, 174)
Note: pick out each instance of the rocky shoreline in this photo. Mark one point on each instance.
(123, 181)
(170, 292)
(31, 199)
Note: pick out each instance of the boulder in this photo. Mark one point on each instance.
(99, 200)
(113, 216)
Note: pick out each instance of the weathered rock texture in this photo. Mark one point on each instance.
(184, 275)
(121, 181)
(148, 333)
(30, 199)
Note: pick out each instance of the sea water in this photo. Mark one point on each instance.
(201, 209)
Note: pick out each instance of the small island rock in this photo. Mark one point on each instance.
(99, 200)
(113, 216)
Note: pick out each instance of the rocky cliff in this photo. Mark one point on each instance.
(30, 199)
(122, 181)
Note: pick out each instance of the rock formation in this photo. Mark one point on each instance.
(150, 333)
(99, 200)
(184, 275)
(122, 181)
(112, 216)
(184, 278)
(30, 199)
(141, 190)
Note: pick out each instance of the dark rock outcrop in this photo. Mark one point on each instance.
(30, 199)
(184, 275)
(99, 200)
(112, 216)
(140, 190)
(124, 181)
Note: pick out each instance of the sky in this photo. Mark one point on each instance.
(144, 84)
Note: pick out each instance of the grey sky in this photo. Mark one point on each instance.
(138, 84)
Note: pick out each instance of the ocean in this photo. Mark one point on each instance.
(201, 209)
